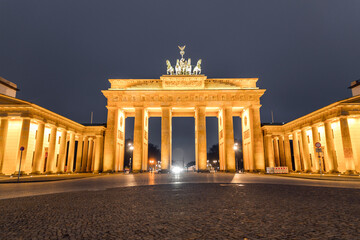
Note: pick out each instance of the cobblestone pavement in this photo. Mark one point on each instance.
(186, 211)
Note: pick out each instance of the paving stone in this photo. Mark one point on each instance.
(186, 211)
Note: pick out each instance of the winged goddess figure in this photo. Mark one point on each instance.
(182, 52)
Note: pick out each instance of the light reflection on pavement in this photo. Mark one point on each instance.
(13, 190)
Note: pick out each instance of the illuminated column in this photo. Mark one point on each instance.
(51, 152)
(200, 139)
(71, 152)
(330, 147)
(110, 140)
(121, 140)
(276, 150)
(3, 135)
(222, 141)
(229, 140)
(62, 152)
(287, 150)
(346, 142)
(98, 141)
(315, 138)
(90, 155)
(165, 138)
(305, 145)
(296, 152)
(282, 151)
(24, 139)
(39, 145)
(85, 154)
(145, 141)
(257, 138)
(269, 150)
(140, 145)
(79, 154)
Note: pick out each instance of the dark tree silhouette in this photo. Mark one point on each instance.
(154, 152)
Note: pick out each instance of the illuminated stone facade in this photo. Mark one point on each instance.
(184, 96)
(52, 143)
(336, 127)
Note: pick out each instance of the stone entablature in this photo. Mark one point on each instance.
(181, 82)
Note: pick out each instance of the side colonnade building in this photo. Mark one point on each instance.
(336, 127)
(52, 143)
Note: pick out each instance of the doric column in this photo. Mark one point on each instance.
(287, 150)
(296, 152)
(305, 143)
(24, 139)
(3, 136)
(257, 139)
(110, 140)
(62, 152)
(39, 145)
(121, 140)
(229, 139)
(79, 153)
(200, 139)
(165, 138)
(282, 151)
(85, 154)
(70, 160)
(315, 138)
(269, 150)
(140, 140)
(50, 168)
(277, 152)
(145, 141)
(222, 141)
(330, 147)
(347, 147)
(98, 140)
(90, 155)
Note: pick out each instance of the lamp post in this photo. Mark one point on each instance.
(21, 151)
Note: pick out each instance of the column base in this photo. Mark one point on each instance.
(350, 172)
(334, 171)
(22, 173)
(36, 173)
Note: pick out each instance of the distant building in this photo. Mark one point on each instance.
(8, 88)
(355, 88)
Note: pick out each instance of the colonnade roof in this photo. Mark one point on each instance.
(346, 107)
(14, 107)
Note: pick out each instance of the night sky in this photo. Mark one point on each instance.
(60, 53)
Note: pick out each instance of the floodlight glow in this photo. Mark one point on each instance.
(176, 170)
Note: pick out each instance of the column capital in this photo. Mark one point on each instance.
(304, 128)
(255, 106)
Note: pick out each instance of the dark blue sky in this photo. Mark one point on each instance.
(61, 52)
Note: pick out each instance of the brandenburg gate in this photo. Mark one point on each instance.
(184, 92)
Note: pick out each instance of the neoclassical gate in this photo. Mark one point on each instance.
(179, 96)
